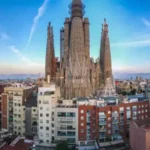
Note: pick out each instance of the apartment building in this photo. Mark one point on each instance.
(31, 116)
(1, 91)
(13, 109)
(107, 123)
(48, 95)
(66, 122)
(140, 134)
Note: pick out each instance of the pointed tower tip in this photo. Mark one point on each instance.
(105, 20)
(77, 1)
(49, 24)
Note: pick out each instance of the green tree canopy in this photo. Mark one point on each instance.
(63, 145)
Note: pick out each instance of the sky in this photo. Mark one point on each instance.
(23, 33)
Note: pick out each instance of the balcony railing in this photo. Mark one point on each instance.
(102, 137)
(102, 123)
(102, 129)
(115, 127)
(115, 121)
(102, 116)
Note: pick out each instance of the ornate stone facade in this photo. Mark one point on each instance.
(105, 55)
(50, 66)
(79, 75)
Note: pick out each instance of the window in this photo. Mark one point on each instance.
(52, 131)
(41, 121)
(109, 112)
(47, 128)
(41, 115)
(47, 134)
(34, 110)
(47, 121)
(52, 113)
(146, 110)
(52, 125)
(82, 118)
(39, 102)
(109, 125)
(47, 115)
(109, 118)
(109, 131)
(139, 112)
(82, 111)
(41, 108)
(41, 127)
(82, 130)
(47, 141)
(82, 124)
(47, 108)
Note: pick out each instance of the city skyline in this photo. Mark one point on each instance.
(23, 33)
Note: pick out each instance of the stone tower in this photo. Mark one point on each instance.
(105, 54)
(75, 59)
(50, 66)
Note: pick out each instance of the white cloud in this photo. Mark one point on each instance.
(40, 13)
(142, 43)
(146, 22)
(4, 36)
(7, 68)
(23, 58)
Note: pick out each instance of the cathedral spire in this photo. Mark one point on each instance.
(50, 54)
(105, 54)
(77, 9)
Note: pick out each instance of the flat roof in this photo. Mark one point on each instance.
(20, 145)
(143, 123)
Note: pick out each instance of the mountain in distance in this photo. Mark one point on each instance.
(117, 75)
(20, 76)
(127, 76)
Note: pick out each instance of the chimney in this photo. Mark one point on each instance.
(48, 78)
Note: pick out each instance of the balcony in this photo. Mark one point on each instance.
(121, 122)
(102, 136)
(115, 122)
(102, 116)
(115, 127)
(102, 123)
(102, 130)
(66, 115)
(66, 133)
(134, 114)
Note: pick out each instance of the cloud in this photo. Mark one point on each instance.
(40, 13)
(146, 22)
(23, 58)
(7, 68)
(141, 43)
(4, 36)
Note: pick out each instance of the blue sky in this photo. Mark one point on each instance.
(23, 32)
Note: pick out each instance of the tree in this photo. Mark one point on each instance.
(133, 92)
(124, 93)
(63, 145)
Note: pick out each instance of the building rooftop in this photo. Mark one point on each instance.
(19, 144)
(143, 123)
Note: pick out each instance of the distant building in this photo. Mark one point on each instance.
(140, 134)
(13, 107)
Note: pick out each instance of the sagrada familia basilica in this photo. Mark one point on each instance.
(77, 74)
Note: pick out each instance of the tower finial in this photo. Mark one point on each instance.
(77, 8)
(105, 20)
